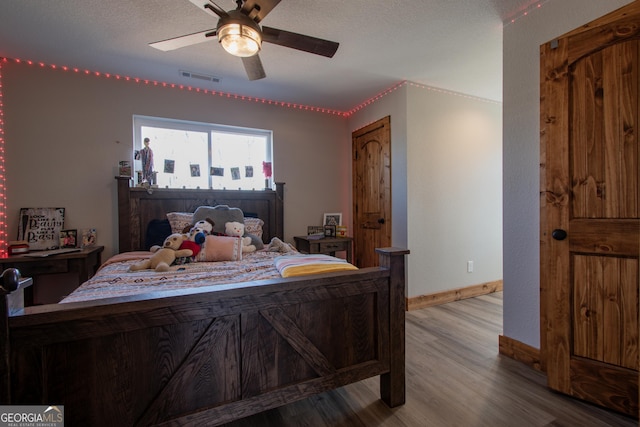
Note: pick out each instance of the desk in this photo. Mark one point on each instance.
(325, 245)
(83, 264)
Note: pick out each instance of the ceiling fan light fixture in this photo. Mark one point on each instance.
(239, 39)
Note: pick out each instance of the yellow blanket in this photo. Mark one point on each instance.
(301, 265)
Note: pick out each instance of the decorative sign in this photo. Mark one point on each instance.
(124, 168)
(41, 227)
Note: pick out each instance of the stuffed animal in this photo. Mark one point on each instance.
(199, 231)
(194, 247)
(220, 215)
(277, 245)
(164, 256)
(205, 225)
(255, 240)
(236, 229)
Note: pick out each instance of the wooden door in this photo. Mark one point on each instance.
(371, 191)
(590, 226)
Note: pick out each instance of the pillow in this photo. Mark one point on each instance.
(220, 214)
(157, 231)
(180, 220)
(253, 226)
(220, 248)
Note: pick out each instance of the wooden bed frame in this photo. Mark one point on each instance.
(208, 355)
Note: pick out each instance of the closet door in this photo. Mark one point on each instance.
(590, 219)
(371, 157)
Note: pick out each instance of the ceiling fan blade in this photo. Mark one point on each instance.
(300, 42)
(210, 7)
(182, 41)
(253, 67)
(257, 10)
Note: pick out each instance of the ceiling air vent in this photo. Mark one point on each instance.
(199, 76)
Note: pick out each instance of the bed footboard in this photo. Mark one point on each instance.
(207, 356)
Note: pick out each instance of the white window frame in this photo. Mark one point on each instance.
(140, 121)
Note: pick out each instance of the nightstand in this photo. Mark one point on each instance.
(325, 245)
(82, 264)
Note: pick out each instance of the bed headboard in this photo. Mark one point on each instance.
(137, 207)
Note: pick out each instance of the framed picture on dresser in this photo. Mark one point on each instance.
(334, 219)
(88, 237)
(68, 238)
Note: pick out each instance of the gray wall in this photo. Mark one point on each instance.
(66, 132)
(446, 179)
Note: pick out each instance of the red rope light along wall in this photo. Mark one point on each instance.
(534, 5)
(4, 61)
(3, 193)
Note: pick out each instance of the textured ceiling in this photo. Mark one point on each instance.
(450, 44)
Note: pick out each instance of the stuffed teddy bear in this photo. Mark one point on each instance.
(236, 229)
(164, 256)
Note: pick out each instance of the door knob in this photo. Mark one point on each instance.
(380, 220)
(559, 234)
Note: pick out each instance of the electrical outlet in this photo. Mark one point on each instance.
(469, 266)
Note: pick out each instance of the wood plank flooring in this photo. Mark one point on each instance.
(455, 377)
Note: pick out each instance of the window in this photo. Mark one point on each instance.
(203, 155)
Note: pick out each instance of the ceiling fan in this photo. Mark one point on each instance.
(240, 34)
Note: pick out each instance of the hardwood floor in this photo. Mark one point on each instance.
(455, 377)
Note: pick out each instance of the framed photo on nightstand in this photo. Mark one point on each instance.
(315, 229)
(68, 238)
(332, 219)
(329, 231)
(88, 237)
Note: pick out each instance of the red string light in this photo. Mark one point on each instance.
(283, 104)
(181, 87)
(3, 194)
(525, 12)
(374, 98)
(3, 60)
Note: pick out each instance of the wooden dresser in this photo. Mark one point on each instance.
(82, 265)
